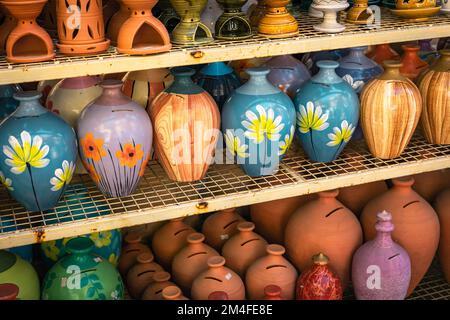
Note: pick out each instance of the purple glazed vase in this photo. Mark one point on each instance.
(381, 269)
(115, 140)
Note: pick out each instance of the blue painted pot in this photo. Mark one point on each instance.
(258, 123)
(327, 113)
(7, 103)
(38, 154)
(219, 80)
(334, 55)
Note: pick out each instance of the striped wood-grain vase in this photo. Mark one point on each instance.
(390, 110)
(434, 85)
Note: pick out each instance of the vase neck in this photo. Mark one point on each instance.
(112, 94)
(443, 63)
(327, 73)
(391, 71)
(183, 83)
(258, 84)
(384, 228)
(29, 105)
(357, 53)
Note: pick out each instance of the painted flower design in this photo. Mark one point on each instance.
(144, 165)
(341, 134)
(311, 118)
(29, 153)
(62, 176)
(115, 295)
(235, 146)
(92, 172)
(284, 145)
(262, 126)
(112, 259)
(51, 251)
(129, 154)
(92, 148)
(101, 239)
(6, 182)
(356, 85)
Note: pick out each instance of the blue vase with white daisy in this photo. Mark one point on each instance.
(327, 113)
(38, 153)
(258, 124)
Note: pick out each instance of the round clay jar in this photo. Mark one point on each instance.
(133, 247)
(155, 289)
(173, 293)
(221, 226)
(141, 274)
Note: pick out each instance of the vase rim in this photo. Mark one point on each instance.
(161, 276)
(27, 95)
(327, 64)
(195, 237)
(145, 257)
(111, 84)
(182, 71)
(79, 245)
(246, 226)
(258, 71)
(410, 48)
(275, 249)
(216, 261)
(133, 237)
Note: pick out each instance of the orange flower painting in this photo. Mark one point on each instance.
(92, 148)
(93, 173)
(130, 154)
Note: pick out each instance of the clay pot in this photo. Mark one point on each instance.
(390, 108)
(88, 37)
(412, 65)
(416, 225)
(442, 206)
(27, 42)
(141, 274)
(383, 52)
(434, 87)
(324, 225)
(271, 217)
(218, 278)
(132, 248)
(356, 197)
(169, 240)
(277, 22)
(116, 22)
(218, 295)
(146, 231)
(155, 289)
(190, 261)
(272, 292)
(271, 269)
(430, 184)
(221, 226)
(319, 282)
(8, 291)
(243, 248)
(110, 7)
(173, 293)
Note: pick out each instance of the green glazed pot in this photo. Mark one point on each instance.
(82, 275)
(14, 269)
(233, 24)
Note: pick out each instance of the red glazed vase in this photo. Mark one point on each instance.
(154, 290)
(132, 248)
(173, 293)
(272, 292)
(141, 274)
(324, 225)
(243, 248)
(442, 206)
(272, 269)
(356, 197)
(319, 282)
(8, 291)
(383, 52)
(412, 65)
(430, 184)
(221, 226)
(416, 225)
(169, 240)
(190, 261)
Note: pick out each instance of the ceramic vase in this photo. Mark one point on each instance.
(219, 227)
(174, 111)
(323, 225)
(241, 66)
(39, 153)
(218, 278)
(390, 107)
(169, 240)
(272, 292)
(258, 123)
(435, 91)
(21, 273)
(143, 86)
(87, 276)
(115, 140)
(442, 206)
(277, 22)
(359, 14)
(356, 197)
(412, 65)
(416, 225)
(190, 261)
(241, 250)
(130, 251)
(27, 42)
(140, 275)
(429, 184)
(219, 80)
(381, 269)
(330, 8)
(233, 24)
(87, 34)
(322, 129)
(7, 102)
(314, 57)
(173, 293)
(273, 269)
(287, 73)
(142, 33)
(8, 291)
(319, 282)
(383, 52)
(154, 290)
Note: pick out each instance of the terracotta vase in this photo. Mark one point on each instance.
(442, 206)
(356, 197)
(412, 65)
(85, 35)
(141, 274)
(233, 24)
(381, 269)
(383, 52)
(243, 248)
(142, 33)
(324, 225)
(155, 289)
(169, 240)
(416, 225)
(429, 184)
(192, 260)
(271, 269)
(390, 107)
(116, 22)
(173, 293)
(272, 292)
(9, 23)
(221, 226)
(218, 278)
(27, 42)
(319, 282)
(132, 248)
(218, 295)
(434, 87)
(277, 22)
(270, 218)
(8, 291)
(181, 104)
